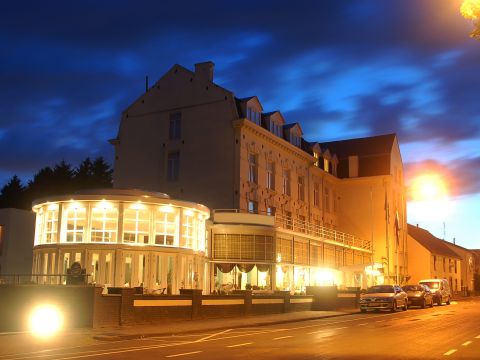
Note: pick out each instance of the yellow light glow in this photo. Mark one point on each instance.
(188, 212)
(324, 277)
(52, 207)
(470, 9)
(166, 209)
(45, 321)
(137, 206)
(428, 187)
(104, 205)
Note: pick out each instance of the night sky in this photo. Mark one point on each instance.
(341, 69)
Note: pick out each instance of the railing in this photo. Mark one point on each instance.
(41, 279)
(311, 229)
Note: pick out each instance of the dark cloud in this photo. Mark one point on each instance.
(340, 68)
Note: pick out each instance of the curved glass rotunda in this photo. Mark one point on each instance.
(122, 238)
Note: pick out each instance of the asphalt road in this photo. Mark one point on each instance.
(443, 332)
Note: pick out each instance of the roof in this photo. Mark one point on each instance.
(373, 145)
(431, 243)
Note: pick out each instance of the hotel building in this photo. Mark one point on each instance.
(287, 213)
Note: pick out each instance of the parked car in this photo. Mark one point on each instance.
(383, 297)
(418, 295)
(440, 289)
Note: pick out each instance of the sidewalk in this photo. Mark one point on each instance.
(192, 326)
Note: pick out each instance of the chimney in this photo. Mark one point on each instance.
(204, 70)
(453, 241)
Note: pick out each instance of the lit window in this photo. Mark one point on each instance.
(252, 168)
(271, 211)
(286, 182)
(301, 188)
(189, 225)
(316, 156)
(136, 226)
(51, 223)
(271, 175)
(326, 165)
(175, 126)
(75, 222)
(173, 166)
(104, 224)
(166, 226)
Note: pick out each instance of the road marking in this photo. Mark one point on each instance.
(212, 335)
(183, 354)
(450, 352)
(380, 321)
(316, 332)
(363, 324)
(237, 345)
(477, 337)
(283, 337)
(466, 343)
(343, 327)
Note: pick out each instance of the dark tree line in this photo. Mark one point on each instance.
(59, 180)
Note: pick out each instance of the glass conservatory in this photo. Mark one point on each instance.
(122, 238)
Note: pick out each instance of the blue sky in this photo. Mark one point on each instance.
(342, 69)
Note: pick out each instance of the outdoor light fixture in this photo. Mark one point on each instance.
(45, 321)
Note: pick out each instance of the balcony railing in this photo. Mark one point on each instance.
(311, 229)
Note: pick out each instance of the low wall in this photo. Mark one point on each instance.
(17, 302)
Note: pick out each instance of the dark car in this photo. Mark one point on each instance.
(419, 295)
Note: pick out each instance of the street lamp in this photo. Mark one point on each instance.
(470, 9)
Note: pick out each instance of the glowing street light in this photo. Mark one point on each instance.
(470, 9)
(45, 321)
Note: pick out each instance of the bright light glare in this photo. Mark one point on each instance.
(470, 9)
(428, 187)
(45, 321)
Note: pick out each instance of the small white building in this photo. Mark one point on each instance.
(122, 238)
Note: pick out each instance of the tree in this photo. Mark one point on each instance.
(12, 194)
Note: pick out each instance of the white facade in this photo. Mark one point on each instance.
(122, 238)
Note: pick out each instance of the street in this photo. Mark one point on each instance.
(441, 332)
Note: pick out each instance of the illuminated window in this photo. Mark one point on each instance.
(75, 223)
(136, 225)
(326, 165)
(39, 228)
(51, 224)
(271, 211)
(166, 226)
(286, 182)
(104, 224)
(200, 246)
(189, 223)
(252, 168)
(316, 156)
(271, 175)
(128, 270)
(95, 269)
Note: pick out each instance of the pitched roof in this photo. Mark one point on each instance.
(431, 243)
(373, 145)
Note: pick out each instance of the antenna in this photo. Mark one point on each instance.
(146, 83)
(444, 231)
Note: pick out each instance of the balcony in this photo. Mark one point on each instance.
(322, 233)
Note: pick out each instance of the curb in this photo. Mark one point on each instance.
(118, 337)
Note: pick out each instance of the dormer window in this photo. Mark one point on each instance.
(295, 140)
(316, 156)
(275, 129)
(326, 165)
(254, 116)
